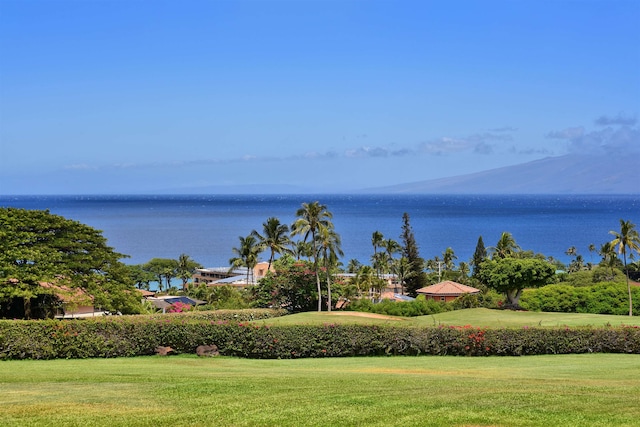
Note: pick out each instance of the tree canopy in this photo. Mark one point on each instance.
(37, 246)
(512, 275)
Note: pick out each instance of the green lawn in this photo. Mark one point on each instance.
(568, 390)
(480, 317)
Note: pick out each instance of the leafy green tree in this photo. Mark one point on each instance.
(185, 269)
(37, 246)
(246, 255)
(292, 286)
(626, 238)
(275, 237)
(512, 275)
(311, 217)
(416, 279)
(163, 269)
(140, 277)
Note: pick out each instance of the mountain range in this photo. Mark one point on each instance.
(568, 174)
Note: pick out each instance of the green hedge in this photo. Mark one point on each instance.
(601, 298)
(135, 336)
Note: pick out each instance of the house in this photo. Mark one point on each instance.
(74, 303)
(446, 291)
(233, 277)
(165, 302)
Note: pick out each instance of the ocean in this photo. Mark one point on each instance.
(207, 227)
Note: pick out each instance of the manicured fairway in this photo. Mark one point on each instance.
(568, 390)
(479, 317)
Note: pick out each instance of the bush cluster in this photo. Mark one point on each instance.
(424, 307)
(135, 336)
(418, 307)
(600, 298)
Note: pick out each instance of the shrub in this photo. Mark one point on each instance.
(418, 307)
(140, 335)
(600, 298)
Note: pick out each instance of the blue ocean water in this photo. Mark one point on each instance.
(208, 227)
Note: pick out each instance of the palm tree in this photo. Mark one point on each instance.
(364, 280)
(627, 238)
(609, 257)
(505, 247)
(592, 249)
(329, 244)
(464, 270)
(185, 269)
(391, 247)
(311, 217)
(448, 256)
(376, 240)
(301, 249)
(247, 254)
(275, 237)
(353, 265)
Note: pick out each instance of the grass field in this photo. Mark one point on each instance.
(569, 390)
(480, 317)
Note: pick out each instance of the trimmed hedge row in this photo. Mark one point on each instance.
(135, 336)
(245, 315)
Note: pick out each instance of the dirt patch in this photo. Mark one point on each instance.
(361, 314)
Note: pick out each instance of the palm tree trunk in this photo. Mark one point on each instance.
(626, 269)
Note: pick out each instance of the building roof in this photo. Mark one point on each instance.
(447, 288)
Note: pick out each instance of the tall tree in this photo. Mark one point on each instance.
(301, 249)
(330, 247)
(312, 216)
(185, 269)
(506, 246)
(417, 278)
(448, 257)
(391, 247)
(479, 256)
(609, 257)
(275, 237)
(37, 246)
(353, 266)
(376, 241)
(164, 269)
(246, 254)
(626, 238)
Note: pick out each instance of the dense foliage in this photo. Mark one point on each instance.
(600, 298)
(292, 286)
(512, 275)
(415, 278)
(138, 335)
(37, 246)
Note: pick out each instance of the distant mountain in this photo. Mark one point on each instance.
(569, 174)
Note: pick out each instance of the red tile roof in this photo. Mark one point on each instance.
(447, 288)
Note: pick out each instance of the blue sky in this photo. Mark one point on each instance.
(329, 95)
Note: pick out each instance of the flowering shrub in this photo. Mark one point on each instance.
(179, 307)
